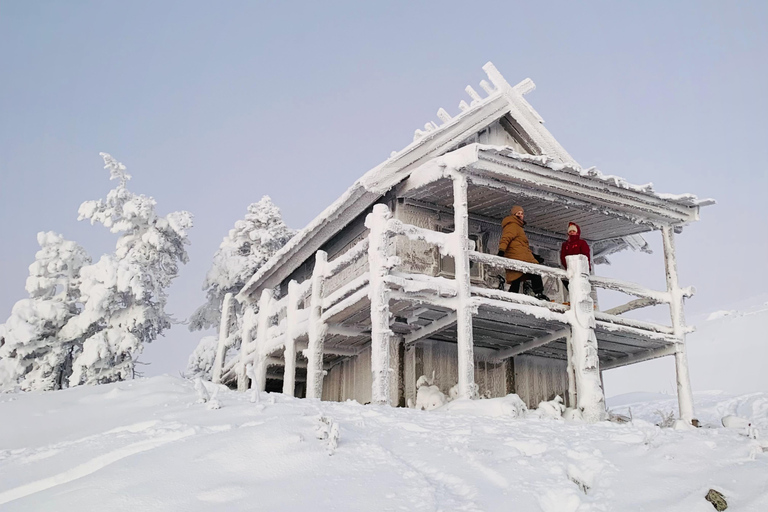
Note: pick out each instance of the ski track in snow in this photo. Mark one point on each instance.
(93, 465)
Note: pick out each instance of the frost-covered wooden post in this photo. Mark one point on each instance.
(586, 366)
(246, 347)
(262, 328)
(571, 399)
(684, 392)
(378, 261)
(460, 246)
(223, 344)
(316, 329)
(289, 355)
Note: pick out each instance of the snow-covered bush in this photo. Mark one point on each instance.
(429, 396)
(124, 294)
(550, 409)
(33, 355)
(243, 251)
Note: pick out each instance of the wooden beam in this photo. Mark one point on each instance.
(684, 391)
(530, 345)
(428, 330)
(631, 306)
(335, 351)
(316, 329)
(638, 357)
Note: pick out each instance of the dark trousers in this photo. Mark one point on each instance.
(536, 283)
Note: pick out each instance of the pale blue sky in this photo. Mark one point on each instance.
(213, 104)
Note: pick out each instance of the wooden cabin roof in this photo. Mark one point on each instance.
(437, 145)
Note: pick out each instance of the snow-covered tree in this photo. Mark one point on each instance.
(124, 294)
(33, 355)
(200, 362)
(243, 251)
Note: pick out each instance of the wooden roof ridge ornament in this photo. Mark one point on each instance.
(519, 109)
(524, 113)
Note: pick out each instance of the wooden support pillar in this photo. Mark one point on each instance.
(590, 399)
(571, 398)
(227, 307)
(289, 355)
(467, 386)
(684, 391)
(378, 261)
(316, 329)
(246, 347)
(262, 327)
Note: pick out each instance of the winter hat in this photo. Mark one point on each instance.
(578, 229)
(516, 208)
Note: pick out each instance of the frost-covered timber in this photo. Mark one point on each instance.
(379, 262)
(398, 278)
(224, 340)
(684, 392)
(584, 361)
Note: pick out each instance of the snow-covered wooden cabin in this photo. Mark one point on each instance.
(399, 277)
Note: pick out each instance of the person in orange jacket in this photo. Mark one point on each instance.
(514, 245)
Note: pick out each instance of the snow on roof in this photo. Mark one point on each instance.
(436, 140)
(593, 173)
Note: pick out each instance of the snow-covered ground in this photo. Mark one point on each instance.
(148, 445)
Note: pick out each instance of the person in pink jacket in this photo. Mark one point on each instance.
(574, 245)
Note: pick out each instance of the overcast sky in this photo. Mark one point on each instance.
(211, 105)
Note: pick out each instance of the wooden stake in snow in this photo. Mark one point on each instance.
(316, 329)
(223, 344)
(289, 377)
(684, 393)
(586, 367)
(262, 327)
(460, 248)
(378, 260)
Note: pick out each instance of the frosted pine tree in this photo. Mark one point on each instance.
(124, 294)
(200, 362)
(33, 356)
(243, 251)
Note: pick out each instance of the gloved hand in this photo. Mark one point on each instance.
(501, 253)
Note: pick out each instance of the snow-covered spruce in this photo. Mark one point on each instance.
(243, 251)
(200, 362)
(124, 295)
(33, 357)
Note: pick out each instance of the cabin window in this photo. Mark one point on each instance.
(448, 265)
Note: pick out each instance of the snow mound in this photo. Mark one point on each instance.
(511, 406)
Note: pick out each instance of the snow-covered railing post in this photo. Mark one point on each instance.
(586, 365)
(262, 328)
(378, 261)
(289, 355)
(460, 249)
(684, 392)
(223, 343)
(571, 398)
(246, 347)
(316, 329)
